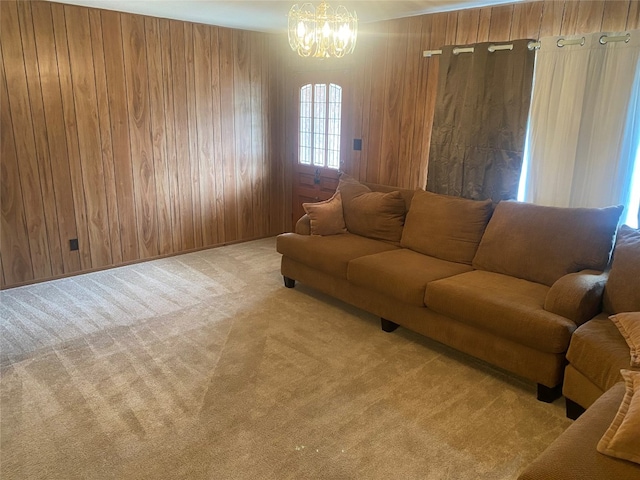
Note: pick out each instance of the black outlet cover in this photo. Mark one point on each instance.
(357, 144)
(73, 244)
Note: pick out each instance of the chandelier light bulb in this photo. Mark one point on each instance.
(322, 31)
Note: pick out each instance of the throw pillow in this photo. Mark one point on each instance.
(326, 217)
(542, 244)
(622, 294)
(445, 227)
(622, 439)
(375, 215)
(629, 325)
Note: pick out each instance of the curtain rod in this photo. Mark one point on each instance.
(604, 39)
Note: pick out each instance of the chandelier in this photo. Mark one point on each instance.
(322, 31)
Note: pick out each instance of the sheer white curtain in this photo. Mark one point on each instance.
(584, 126)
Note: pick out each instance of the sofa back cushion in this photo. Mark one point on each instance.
(622, 291)
(445, 227)
(406, 193)
(542, 244)
(370, 214)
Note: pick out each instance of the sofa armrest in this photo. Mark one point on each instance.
(577, 296)
(303, 225)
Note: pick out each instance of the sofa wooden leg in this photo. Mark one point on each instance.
(549, 394)
(289, 282)
(388, 325)
(573, 409)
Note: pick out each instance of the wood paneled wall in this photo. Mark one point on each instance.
(395, 86)
(144, 137)
(138, 136)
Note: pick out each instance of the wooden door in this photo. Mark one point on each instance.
(312, 184)
(319, 153)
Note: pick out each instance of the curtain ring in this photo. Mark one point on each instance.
(604, 39)
(562, 42)
(459, 50)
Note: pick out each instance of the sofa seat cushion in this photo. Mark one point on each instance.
(599, 352)
(330, 254)
(401, 274)
(507, 306)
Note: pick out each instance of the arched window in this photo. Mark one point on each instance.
(320, 121)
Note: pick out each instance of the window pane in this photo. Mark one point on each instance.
(306, 101)
(334, 123)
(633, 213)
(319, 124)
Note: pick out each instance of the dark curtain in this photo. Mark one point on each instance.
(480, 122)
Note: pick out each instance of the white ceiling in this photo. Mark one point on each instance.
(271, 16)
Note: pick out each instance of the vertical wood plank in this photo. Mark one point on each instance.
(376, 108)
(633, 19)
(86, 106)
(552, 14)
(353, 108)
(256, 128)
(106, 148)
(217, 166)
(140, 133)
(193, 135)
(366, 110)
(225, 37)
(589, 18)
(393, 89)
(158, 134)
(119, 123)
(264, 55)
(204, 124)
(23, 131)
(170, 137)
(570, 18)
(614, 18)
(467, 30)
(280, 213)
(452, 28)
(55, 131)
(526, 20)
(500, 29)
(484, 24)
(14, 236)
(181, 119)
(410, 99)
(242, 117)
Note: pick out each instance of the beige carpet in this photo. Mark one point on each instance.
(203, 366)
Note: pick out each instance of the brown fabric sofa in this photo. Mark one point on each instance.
(512, 291)
(573, 455)
(598, 351)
